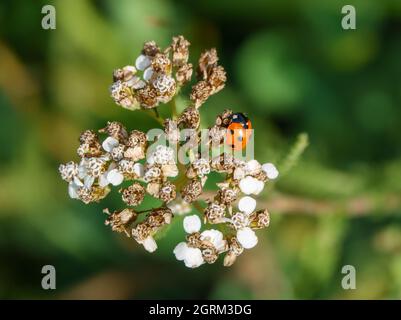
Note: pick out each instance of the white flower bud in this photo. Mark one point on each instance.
(252, 167)
(170, 170)
(180, 251)
(192, 224)
(248, 185)
(72, 190)
(102, 181)
(270, 170)
(147, 74)
(247, 205)
(259, 187)
(239, 174)
(193, 258)
(115, 177)
(139, 170)
(109, 144)
(88, 181)
(142, 62)
(149, 244)
(215, 237)
(247, 238)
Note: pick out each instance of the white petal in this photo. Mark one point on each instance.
(109, 144)
(78, 182)
(248, 185)
(72, 190)
(259, 187)
(147, 74)
(192, 224)
(252, 166)
(270, 170)
(180, 251)
(150, 158)
(82, 171)
(247, 204)
(115, 177)
(139, 170)
(239, 174)
(170, 170)
(247, 238)
(88, 181)
(103, 182)
(193, 258)
(142, 62)
(149, 244)
(215, 237)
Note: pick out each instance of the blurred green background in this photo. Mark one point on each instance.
(291, 68)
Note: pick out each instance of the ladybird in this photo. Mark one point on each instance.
(238, 131)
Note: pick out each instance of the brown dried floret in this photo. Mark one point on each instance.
(217, 135)
(120, 221)
(239, 220)
(127, 167)
(165, 87)
(116, 130)
(190, 118)
(93, 149)
(123, 95)
(234, 250)
(161, 63)
(223, 119)
(118, 152)
(217, 79)
(194, 240)
(260, 219)
(124, 74)
(133, 195)
(147, 97)
(167, 192)
(223, 163)
(207, 60)
(214, 213)
(96, 166)
(201, 91)
(210, 254)
(184, 74)
(191, 191)
(88, 137)
(159, 217)
(180, 50)
(136, 138)
(201, 167)
(171, 130)
(141, 231)
(68, 171)
(227, 196)
(261, 175)
(93, 194)
(153, 173)
(150, 48)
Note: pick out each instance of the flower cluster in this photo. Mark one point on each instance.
(155, 78)
(142, 169)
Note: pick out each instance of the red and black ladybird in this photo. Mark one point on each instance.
(239, 131)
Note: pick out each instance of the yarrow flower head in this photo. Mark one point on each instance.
(174, 164)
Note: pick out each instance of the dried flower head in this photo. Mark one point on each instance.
(156, 166)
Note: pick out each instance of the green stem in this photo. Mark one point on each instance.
(173, 106)
(155, 115)
(198, 207)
